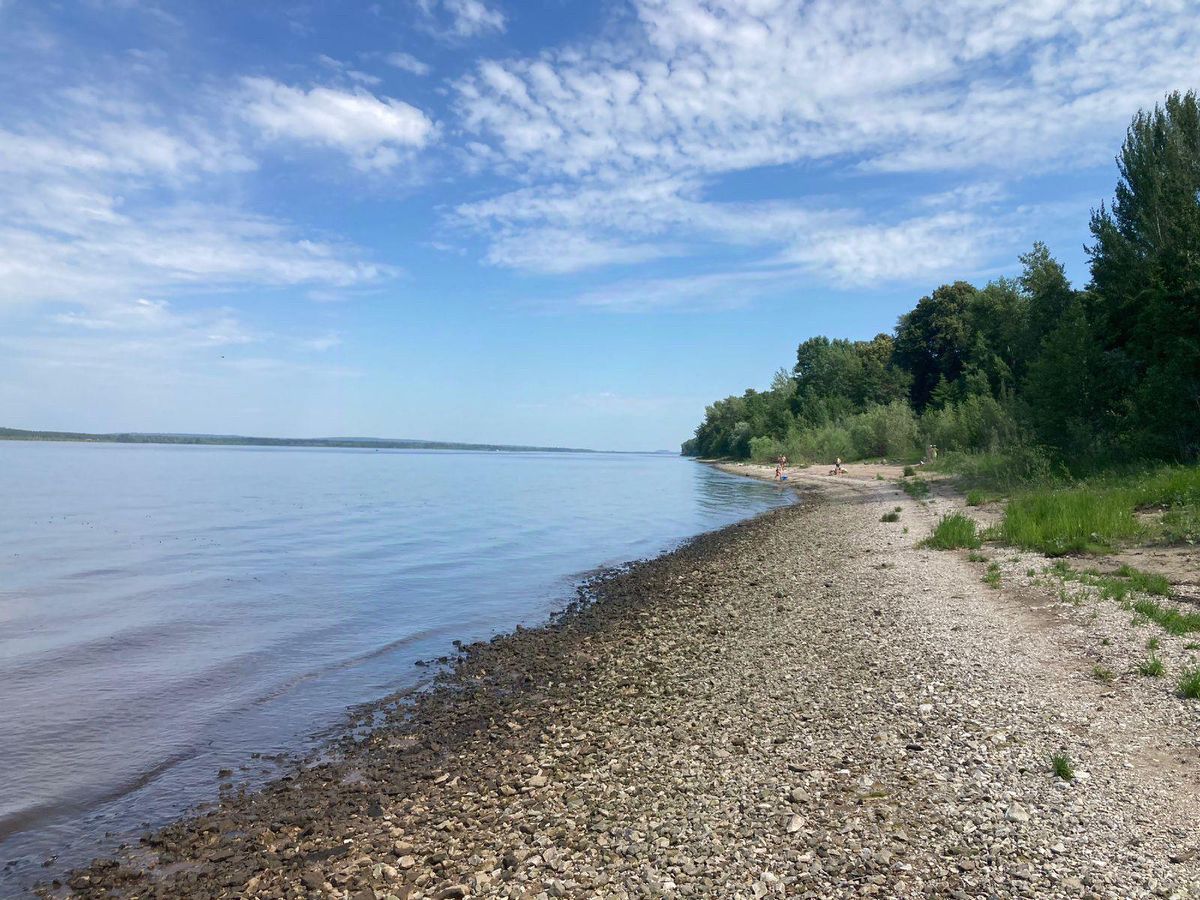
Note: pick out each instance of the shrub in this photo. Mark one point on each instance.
(992, 576)
(1062, 766)
(1151, 666)
(916, 488)
(1189, 684)
(909, 471)
(765, 449)
(953, 532)
(975, 498)
(890, 517)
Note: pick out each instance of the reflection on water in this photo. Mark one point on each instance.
(165, 612)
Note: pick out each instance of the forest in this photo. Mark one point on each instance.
(1030, 367)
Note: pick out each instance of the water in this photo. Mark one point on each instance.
(166, 611)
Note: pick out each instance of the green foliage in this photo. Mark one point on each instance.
(974, 556)
(1062, 766)
(1146, 273)
(1151, 666)
(975, 498)
(1100, 673)
(890, 517)
(909, 472)
(953, 532)
(1189, 684)
(1057, 522)
(992, 576)
(916, 488)
(1023, 378)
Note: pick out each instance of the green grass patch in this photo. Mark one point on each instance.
(1097, 514)
(1100, 673)
(975, 498)
(1170, 619)
(976, 556)
(992, 576)
(917, 488)
(953, 532)
(1152, 644)
(909, 471)
(1128, 581)
(1151, 666)
(890, 517)
(1067, 521)
(1062, 766)
(1189, 684)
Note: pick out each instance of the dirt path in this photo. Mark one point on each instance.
(804, 705)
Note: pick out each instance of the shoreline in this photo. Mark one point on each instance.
(798, 704)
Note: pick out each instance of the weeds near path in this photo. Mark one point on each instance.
(953, 532)
(1063, 767)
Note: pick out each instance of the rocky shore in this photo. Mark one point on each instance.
(803, 705)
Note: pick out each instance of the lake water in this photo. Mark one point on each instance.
(167, 611)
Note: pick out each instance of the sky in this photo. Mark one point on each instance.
(558, 222)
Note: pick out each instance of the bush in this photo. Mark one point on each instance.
(977, 423)
(974, 498)
(954, 531)
(1062, 766)
(1189, 684)
(1151, 666)
(765, 449)
(890, 517)
(916, 488)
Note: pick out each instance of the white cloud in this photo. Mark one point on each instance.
(472, 17)
(408, 63)
(708, 87)
(619, 140)
(462, 18)
(376, 132)
(559, 251)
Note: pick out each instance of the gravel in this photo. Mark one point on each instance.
(803, 705)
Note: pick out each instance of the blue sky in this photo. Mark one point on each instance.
(548, 221)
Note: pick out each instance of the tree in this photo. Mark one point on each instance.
(933, 341)
(1145, 263)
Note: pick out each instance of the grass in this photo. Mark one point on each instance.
(992, 577)
(879, 477)
(975, 498)
(1192, 646)
(953, 532)
(1062, 765)
(1127, 581)
(1189, 684)
(1152, 644)
(1151, 666)
(890, 517)
(909, 471)
(917, 488)
(976, 556)
(1098, 514)
(1170, 619)
(1073, 521)
(1100, 673)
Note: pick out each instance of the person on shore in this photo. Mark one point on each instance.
(837, 467)
(778, 472)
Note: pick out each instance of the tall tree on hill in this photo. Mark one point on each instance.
(1146, 274)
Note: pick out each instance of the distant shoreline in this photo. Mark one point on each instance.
(234, 440)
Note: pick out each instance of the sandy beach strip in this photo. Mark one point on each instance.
(802, 705)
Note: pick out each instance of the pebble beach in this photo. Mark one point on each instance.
(806, 704)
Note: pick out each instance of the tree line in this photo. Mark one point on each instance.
(1094, 376)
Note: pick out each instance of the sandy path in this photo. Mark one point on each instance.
(804, 705)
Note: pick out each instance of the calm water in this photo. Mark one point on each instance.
(165, 612)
